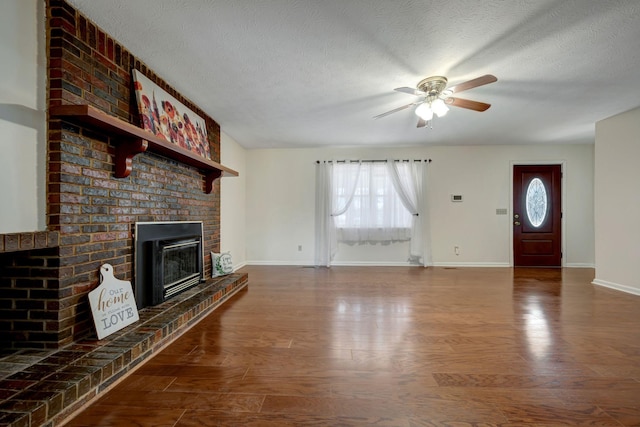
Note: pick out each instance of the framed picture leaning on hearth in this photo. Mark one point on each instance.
(168, 119)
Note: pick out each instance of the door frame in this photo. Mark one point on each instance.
(563, 170)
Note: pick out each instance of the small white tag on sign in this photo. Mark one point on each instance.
(113, 305)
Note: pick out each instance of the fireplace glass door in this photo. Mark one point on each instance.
(168, 260)
(180, 269)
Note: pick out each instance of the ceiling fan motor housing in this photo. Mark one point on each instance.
(432, 86)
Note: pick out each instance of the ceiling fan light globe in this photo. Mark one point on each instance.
(439, 107)
(424, 112)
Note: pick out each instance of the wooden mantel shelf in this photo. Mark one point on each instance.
(134, 140)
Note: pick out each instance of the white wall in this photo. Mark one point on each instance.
(233, 201)
(22, 116)
(617, 202)
(281, 198)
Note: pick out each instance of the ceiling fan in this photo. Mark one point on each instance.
(434, 96)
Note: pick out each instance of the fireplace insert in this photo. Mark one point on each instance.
(168, 260)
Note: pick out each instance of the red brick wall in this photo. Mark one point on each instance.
(92, 211)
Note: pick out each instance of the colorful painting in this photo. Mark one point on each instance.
(169, 119)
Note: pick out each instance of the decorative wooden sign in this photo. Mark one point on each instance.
(113, 304)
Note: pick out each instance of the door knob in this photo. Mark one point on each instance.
(516, 223)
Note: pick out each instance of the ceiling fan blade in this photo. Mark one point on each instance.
(409, 90)
(421, 122)
(480, 81)
(467, 103)
(395, 110)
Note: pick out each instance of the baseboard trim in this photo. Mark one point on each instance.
(337, 263)
(579, 265)
(373, 264)
(381, 264)
(472, 264)
(617, 287)
(397, 264)
(239, 266)
(294, 263)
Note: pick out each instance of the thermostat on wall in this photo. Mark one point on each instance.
(456, 197)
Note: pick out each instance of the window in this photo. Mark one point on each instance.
(381, 201)
(369, 208)
(536, 201)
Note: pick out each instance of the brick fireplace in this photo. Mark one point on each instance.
(45, 276)
(91, 214)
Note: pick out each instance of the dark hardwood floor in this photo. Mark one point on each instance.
(393, 346)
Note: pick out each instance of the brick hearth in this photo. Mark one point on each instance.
(43, 387)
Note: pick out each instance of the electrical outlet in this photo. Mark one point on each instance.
(456, 250)
(299, 248)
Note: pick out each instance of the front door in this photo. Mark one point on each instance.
(537, 216)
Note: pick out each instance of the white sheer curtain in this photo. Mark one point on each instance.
(334, 195)
(409, 180)
(324, 221)
(371, 202)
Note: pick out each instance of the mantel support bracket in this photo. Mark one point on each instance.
(209, 179)
(125, 154)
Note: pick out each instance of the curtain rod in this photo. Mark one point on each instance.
(373, 161)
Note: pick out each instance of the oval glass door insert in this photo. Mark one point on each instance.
(536, 202)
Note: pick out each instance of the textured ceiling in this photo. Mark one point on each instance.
(303, 73)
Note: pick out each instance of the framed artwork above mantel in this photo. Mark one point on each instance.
(169, 119)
